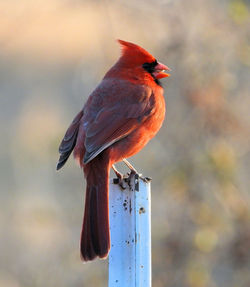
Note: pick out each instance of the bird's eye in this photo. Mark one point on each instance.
(149, 67)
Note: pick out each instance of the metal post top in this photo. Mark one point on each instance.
(130, 228)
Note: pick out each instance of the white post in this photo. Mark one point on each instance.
(130, 227)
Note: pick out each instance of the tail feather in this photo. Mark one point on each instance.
(87, 248)
(95, 238)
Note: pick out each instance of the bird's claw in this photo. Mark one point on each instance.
(123, 181)
(120, 180)
(146, 178)
(131, 176)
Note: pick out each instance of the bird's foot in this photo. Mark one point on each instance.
(120, 178)
(146, 178)
(130, 177)
(123, 180)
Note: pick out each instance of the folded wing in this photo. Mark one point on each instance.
(69, 141)
(115, 119)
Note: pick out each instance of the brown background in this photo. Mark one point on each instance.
(52, 55)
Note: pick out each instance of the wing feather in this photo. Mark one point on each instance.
(69, 141)
(116, 118)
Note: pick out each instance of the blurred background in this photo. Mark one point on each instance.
(53, 53)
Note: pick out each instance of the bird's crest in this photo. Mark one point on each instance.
(133, 53)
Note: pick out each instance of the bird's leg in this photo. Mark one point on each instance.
(120, 177)
(129, 165)
(118, 174)
(133, 171)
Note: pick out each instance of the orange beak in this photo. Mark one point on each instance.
(159, 72)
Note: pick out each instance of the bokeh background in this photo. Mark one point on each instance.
(52, 55)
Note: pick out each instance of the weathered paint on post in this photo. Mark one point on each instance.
(130, 227)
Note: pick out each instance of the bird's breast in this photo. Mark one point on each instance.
(145, 131)
(154, 122)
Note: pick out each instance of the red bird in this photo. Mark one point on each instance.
(121, 115)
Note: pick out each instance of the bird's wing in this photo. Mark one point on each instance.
(117, 118)
(69, 141)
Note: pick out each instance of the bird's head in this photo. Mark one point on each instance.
(134, 56)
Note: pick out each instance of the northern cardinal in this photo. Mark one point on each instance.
(121, 115)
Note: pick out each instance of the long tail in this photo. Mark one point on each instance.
(95, 238)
